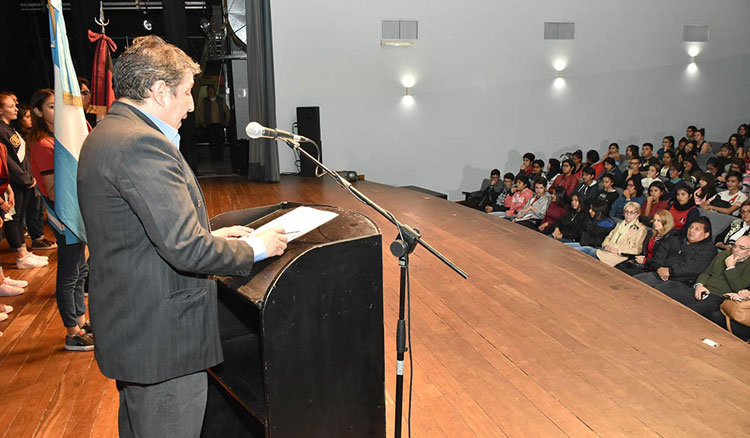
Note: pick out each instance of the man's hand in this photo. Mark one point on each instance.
(488, 209)
(543, 226)
(234, 231)
(275, 241)
(557, 234)
(11, 199)
(730, 261)
(699, 291)
(640, 259)
(33, 183)
(663, 272)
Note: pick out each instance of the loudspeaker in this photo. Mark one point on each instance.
(308, 125)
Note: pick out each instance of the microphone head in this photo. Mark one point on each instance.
(254, 130)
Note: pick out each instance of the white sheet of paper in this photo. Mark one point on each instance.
(299, 221)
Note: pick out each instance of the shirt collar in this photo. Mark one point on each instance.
(172, 134)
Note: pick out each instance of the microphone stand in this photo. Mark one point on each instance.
(401, 247)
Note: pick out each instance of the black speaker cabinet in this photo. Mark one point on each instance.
(308, 125)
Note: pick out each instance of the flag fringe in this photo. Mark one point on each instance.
(72, 100)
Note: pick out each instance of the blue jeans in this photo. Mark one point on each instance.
(71, 276)
(590, 250)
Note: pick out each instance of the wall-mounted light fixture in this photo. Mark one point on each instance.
(694, 50)
(559, 65)
(408, 82)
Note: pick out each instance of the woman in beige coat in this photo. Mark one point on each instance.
(626, 238)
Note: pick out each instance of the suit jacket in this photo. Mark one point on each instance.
(152, 305)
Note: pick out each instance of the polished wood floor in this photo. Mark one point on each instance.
(540, 341)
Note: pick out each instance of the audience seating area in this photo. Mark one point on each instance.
(676, 218)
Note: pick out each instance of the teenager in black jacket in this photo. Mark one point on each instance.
(569, 227)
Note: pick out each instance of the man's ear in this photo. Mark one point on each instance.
(158, 92)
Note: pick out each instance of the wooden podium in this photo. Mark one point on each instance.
(303, 335)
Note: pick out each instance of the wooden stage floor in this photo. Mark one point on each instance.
(540, 341)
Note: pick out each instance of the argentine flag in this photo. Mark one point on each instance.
(70, 130)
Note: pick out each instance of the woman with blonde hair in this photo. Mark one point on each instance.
(653, 251)
(625, 239)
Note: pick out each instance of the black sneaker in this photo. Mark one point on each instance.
(87, 328)
(42, 244)
(79, 342)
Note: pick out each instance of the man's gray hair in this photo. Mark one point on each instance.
(148, 60)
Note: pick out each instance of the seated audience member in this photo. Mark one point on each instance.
(577, 158)
(729, 272)
(653, 251)
(728, 201)
(738, 228)
(633, 192)
(634, 169)
(744, 133)
(667, 161)
(598, 226)
(611, 169)
(691, 171)
(652, 174)
(735, 141)
(526, 166)
(613, 152)
(537, 171)
(701, 145)
(681, 145)
(566, 179)
(520, 195)
(647, 157)
(687, 151)
(724, 157)
(502, 194)
(484, 197)
(655, 201)
(685, 258)
(608, 192)
(706, 191)
(570, 227)
(667, 144)
(683, 208)
(533, 212)
(632, 151)
(592, 160)
(588, 188)
(553, 170)
(690, 132)
(626, 238)
(557, 208)
(712, 168)
(675, 177)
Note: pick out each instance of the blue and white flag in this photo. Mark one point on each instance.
(70, 128)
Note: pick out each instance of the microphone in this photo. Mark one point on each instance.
(256, 130)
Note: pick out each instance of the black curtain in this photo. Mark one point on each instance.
(263, 153)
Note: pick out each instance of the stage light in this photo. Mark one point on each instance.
(692, 68)
(407, 100)
(694, 51)
(559, 83)
(147, 24)
(559, 65)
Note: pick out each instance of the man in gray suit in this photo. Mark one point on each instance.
(153, 307)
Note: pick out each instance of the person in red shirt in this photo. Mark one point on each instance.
(566, 179)
(518, 199)
(72, 268)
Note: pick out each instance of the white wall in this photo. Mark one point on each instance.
(484, 92)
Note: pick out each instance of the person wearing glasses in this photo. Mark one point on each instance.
(85, 87)
(566, 178)
(729, 273)
(633, 192)
(738, 228)
(626, 238)
(667, 144)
